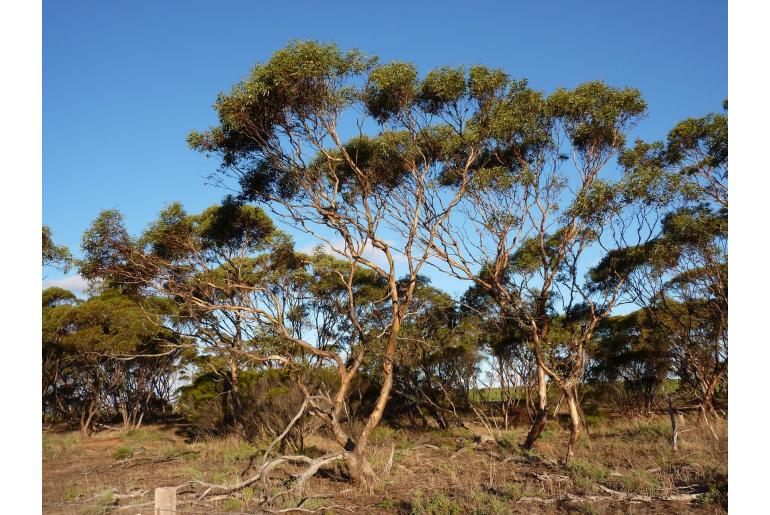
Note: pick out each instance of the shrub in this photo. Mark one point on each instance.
(269, 400)
(717, 492)
(122, 453)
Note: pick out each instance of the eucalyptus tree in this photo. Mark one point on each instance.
(350, 151)
(53, 254)
(681, 276)
(56, 361)
(204, 262)
(633, 350)
(205, 266)
(542, 201)
(506, 343)
(104, 357)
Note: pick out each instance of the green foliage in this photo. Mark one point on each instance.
(649, 432)
(391, 90)
(106, 245)
(640, 481)
(706, 135)
(717, 492)
(122, 453)
(380, 161)
(228, 226)
(54, 255)
(588, 470)
(437, 504)
(442, 87)
(386, 504)
(55, 296)
(269, 399)
(596, 115)
(232, 504)
(85, 346)
(632, 349)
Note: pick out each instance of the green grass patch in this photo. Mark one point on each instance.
(71, 491)
(192, 471)
(437, 504)
(488, 504)
(508, 441)
(248, 494)
(58, 446)
(122, 453)
(638, 481)
(584, 469)
(238, 451)
(232, 504)
(143, 435)
(383, 434)
(648, 433)
(386, 504)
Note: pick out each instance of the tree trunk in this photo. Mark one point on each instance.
(704, 412)
(86, 418)
(231, 400)
(674, 425)
(235, 401)
(582, 413)
(541, 412)
(575, 425)
(124, 416)
(708, 393)
(359, 470)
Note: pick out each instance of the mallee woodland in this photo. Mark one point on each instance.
(583, 369)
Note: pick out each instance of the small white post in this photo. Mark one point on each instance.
(165, 501)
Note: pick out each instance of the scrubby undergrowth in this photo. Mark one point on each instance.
(626, 465)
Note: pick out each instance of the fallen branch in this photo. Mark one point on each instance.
(646, 498)
(313, 466)
(459, 451)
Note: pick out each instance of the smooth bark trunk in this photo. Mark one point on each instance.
(575, 424)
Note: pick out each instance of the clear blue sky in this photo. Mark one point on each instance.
(124, 82)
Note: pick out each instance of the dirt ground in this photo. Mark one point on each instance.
(623, 466)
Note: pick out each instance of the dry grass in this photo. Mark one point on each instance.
(428, 477)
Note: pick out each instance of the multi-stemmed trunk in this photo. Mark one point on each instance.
(573, 404)
(132, 418)
(87, 417)
(566, 383)
(708, 392)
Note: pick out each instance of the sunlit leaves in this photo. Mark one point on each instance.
(596, 115)
(391, 89)
(442, 87)
(55, 255)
